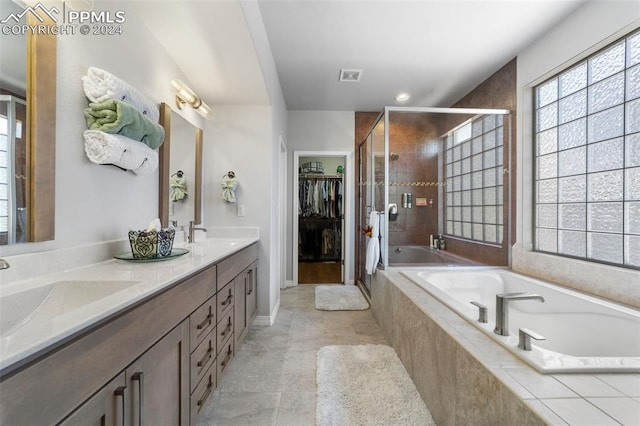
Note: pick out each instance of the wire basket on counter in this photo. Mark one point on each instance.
(151, 244)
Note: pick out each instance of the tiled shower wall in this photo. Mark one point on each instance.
(413, 137)
(415, 143)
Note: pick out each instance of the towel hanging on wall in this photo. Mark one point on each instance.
(105, 148)
(113, 116)
(100, 85)
(178, 186)
(229, 183)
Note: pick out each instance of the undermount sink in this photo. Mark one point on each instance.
(52, 300)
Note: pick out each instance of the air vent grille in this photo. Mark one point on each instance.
(350, 75)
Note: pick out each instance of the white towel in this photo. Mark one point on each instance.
(107, 148)
(373, 244)
(100, 85)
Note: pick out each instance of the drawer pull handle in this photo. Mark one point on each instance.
(226, 330)
(206, 322)
(206, 393)
(120, 392)
(227, 300)
(206, 357)
(227, 358)
(137, 377)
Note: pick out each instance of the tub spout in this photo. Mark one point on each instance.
(502, 312)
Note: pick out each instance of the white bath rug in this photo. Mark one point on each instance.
(366, 385)
(340, 298)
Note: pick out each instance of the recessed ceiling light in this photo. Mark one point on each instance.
(350, 75)
(402, 97)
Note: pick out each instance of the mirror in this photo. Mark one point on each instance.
(180, 170)
(27, 132)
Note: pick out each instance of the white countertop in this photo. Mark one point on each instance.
(88, 295)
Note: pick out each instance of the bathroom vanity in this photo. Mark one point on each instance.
(155, 360)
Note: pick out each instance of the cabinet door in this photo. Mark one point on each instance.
(158, 381)
(107, 407)
(239, 317)
(252, 294)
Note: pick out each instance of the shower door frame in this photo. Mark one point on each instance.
(433, 110)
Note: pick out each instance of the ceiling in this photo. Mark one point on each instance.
(435, 50)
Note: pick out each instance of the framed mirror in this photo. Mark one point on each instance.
(27, 133)
(180, 173)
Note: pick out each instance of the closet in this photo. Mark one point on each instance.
(320, 220)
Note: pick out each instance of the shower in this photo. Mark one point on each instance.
(437, 173)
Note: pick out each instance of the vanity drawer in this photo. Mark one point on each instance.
(202, 321)
(202, 358)
(225, 300)
(201, 396)
(225, 329)
(229, 268)
(224, 357)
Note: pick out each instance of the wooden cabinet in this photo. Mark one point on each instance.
(240, 308)
(107, 407)
(246, 306)
(158, 382)
(155, 390)
(252, 294)
(156, 363)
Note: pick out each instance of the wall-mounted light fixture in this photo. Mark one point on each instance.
(186, 96)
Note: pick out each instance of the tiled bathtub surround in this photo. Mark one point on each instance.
(465, 378)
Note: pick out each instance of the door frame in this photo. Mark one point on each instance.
(346, 204)
(282, 205)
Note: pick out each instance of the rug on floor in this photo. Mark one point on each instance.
(340, 298)
(366, 385)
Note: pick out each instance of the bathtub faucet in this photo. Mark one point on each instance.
(502, 313)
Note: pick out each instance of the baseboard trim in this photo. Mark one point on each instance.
(268, 320)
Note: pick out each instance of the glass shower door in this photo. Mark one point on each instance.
(372, 196)
(364, 206)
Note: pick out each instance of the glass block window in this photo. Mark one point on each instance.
(587, 158)
(473, 180)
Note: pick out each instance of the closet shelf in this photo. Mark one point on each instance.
(320, 219)
(319, 260)
(318, 176)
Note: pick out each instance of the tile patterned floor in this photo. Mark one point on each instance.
(272, 379)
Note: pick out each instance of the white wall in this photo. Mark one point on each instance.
(278, 130)
(238, 139)
(590, 28)
(319, 131)
(97, 203)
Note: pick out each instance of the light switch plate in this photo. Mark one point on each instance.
(240, 210)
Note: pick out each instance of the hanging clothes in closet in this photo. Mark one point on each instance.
(320, 209)
(321, 197)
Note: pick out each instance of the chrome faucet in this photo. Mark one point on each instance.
(193, 228)
(4, 264)
(502, 313)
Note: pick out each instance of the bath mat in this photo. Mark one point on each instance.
(340, 298)
(366, 385)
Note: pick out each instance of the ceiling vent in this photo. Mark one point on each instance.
(351, 76)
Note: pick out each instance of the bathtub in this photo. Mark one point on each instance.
(583, 333)
(423, 256)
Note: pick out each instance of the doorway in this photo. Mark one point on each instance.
(321, 206)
